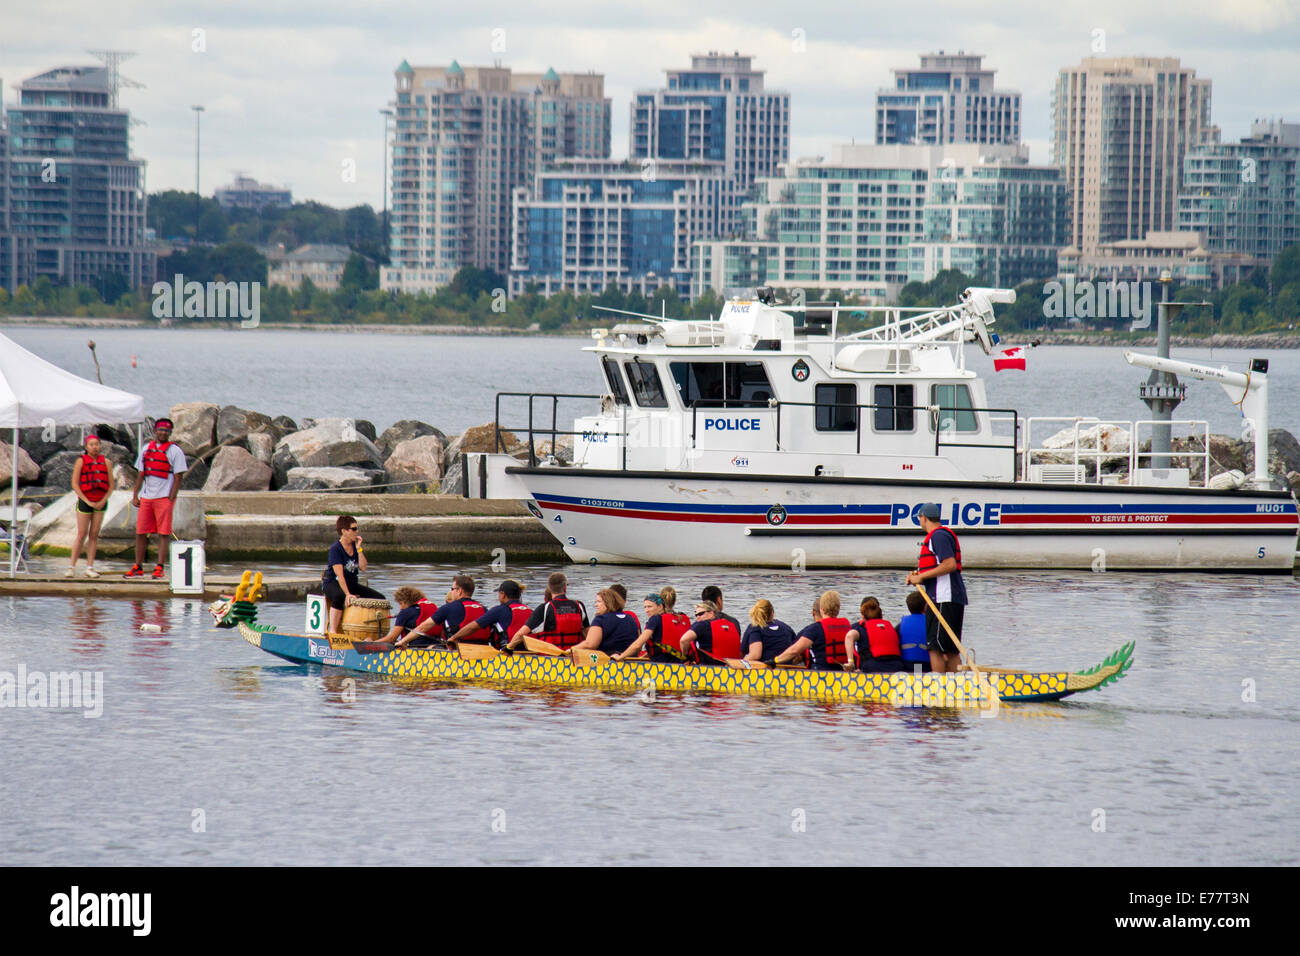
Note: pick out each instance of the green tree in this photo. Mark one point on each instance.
(357, 275)
(1286, 268)
(471, 281)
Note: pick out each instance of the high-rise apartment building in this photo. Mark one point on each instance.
(718, 110)
(1243, 197)
(586, 224)
(950, 98)
(1122, 128)
(74, 202)
(465, 139)
(870, 219)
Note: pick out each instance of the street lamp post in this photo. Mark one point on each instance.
(198, 196)
(383, 216)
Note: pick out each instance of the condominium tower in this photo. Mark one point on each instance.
(1122, 128)
(950, 98)
(1244, 197)
(72, 199)
(718, 110)
(465, 138)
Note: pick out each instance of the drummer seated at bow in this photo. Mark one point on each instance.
(712, 638)
(499, 624)
(558, 620)
(820, 645)
(766, 637)
(873, 642)
(663, 630)
(612, 630)
(460, 609)
(413, 609)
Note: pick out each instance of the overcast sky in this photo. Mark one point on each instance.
(291, 88)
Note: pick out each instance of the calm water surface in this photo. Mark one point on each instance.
(296, 764)
(452, 381)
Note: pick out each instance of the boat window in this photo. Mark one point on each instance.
(722, 384)
(955, 409)
(646, 386)
(615, 380)
(894, 411)
(837, 408)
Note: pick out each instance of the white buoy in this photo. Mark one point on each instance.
(151, 628)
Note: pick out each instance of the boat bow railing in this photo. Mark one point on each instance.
(553, 430)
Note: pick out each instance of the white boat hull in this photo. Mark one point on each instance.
(618, 517)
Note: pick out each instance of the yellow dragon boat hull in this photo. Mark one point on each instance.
(904, 690)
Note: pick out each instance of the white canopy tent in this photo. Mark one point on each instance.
(35, 394)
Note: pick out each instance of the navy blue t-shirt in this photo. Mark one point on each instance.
(817, 634)
(406, 618)
(451, 616)
(944, 546)
(350, 565)
(655, 625)
(617, 631)
(774, 637)
(498, 616)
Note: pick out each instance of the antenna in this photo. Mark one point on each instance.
(112, 62)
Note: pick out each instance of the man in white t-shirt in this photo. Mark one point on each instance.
(160, 465)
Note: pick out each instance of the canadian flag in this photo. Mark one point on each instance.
(1009, 358)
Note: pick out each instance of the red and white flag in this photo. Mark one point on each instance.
(1009, 358)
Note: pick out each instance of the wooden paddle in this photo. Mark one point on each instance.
(476, 652)
(535, 645)
(970, 661)
(588, 658)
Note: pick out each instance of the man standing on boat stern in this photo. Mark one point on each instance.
(939, 569)
(160, 464)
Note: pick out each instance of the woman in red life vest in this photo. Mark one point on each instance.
(92, 480)
(411, 604)
(873, 643)
(712, 638)
(664, 627)
(821, 643)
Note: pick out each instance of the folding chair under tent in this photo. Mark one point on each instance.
(35, 394)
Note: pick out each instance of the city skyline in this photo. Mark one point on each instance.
(321, 135)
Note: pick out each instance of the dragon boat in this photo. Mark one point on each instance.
(962, 689)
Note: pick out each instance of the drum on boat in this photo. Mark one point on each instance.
(367, 619)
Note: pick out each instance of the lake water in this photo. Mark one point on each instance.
(1191, 759)
(451, 381)
(209, 751)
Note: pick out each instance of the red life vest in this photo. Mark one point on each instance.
(473, 610)
(928, 560)
(94, 477)
(671, 629)
(835, 629)
(519, 615)
(156, 463)
(723, 640)
(427, 610)
(568, 622)
(877, 638)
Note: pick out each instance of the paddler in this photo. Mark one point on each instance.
(821, 643)
(500, 623)
(874, 642)
(559, 619)
(460, 609)
(413, 609)
(713, 635)
(663, 627)
(714, 593)
(939, 570)
(766, 637)
(612, 630)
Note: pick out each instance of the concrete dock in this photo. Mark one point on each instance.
(289, 589)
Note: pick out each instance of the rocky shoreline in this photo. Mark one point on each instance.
(235, 449)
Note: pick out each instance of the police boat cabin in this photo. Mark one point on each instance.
(784, 435)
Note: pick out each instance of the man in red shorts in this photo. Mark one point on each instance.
(160, 465)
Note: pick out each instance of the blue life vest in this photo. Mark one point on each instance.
(911, 631)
